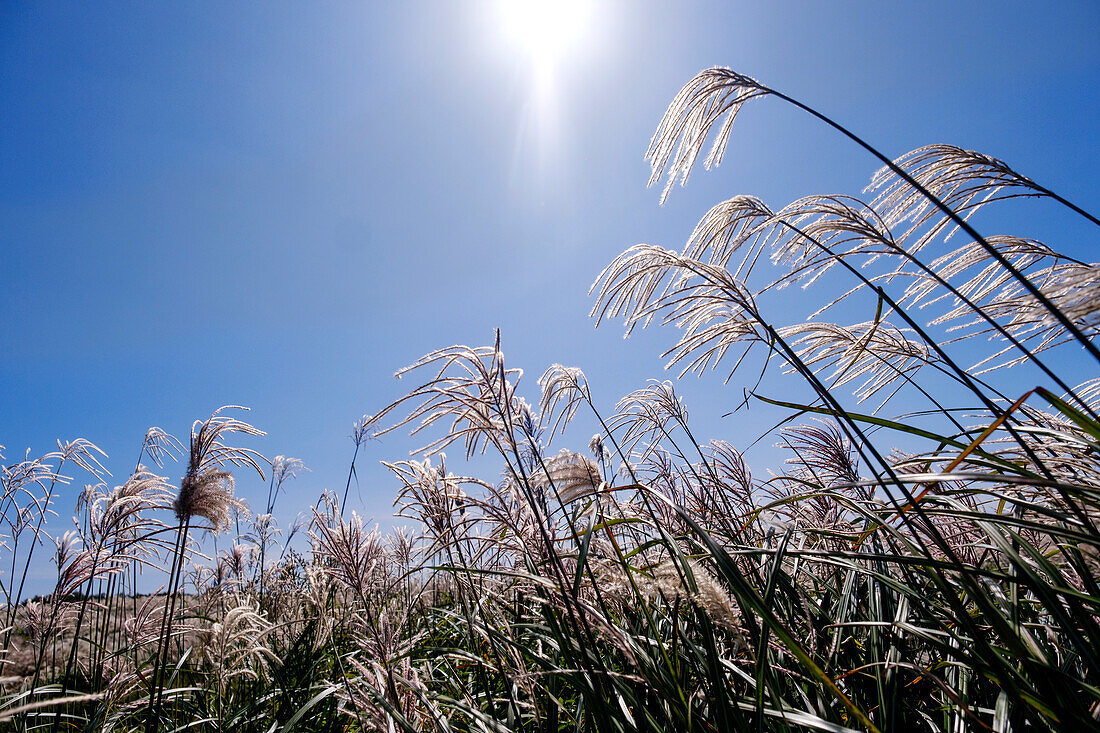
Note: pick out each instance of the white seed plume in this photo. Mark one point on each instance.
(571, 475)
(687, 122)
(206, 490)
(563, 390)
(964, 180)
(879, 353)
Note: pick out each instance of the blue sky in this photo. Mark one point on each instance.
(279, 204)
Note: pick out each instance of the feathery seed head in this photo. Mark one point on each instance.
(208, 495)
(570, 474)
(563, 390)
(360, 429)
(159, 445)
(283, 468)
(687, 123)
(206, 490)
(599, 450)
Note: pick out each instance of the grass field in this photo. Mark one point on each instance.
(926, 558)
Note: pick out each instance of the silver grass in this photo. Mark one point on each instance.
(1073, 287)
(877, 352)
(528, 432)
(627, 287)
(32, 620)
(817, 521)
(233, 566)
(434, 495)
(722, 494)
(284, 468)
(649, 414)
(961, 179)
(237, 558)
(206, 490)
(33, 480)
(143, 627)
(708, 332)
(220, 574)
(942, 181)
(76, 565)
(965, 538)
(25, 503)
(599, 450)
(568, 476)
(383, 671)
(737, 224)
(1046, 518)
(317, 599)
(682, 134)
(518, 526)
(698, 585)
(360, 430)
(352, 555)
(122, 681)
(207, 449)
(1089, 393)
(686, 580)
(472, 393)
(713, 310)
(43, 624)
(996, 301)
(823, 455)
(208, 495)
(28, 480)
(564, 389)
(234, 646)
(814, 234)
(265, 529)
(12, 713)
(160, 445)
(84, 454)
(1068, 451)
(659, 472)
(983, 276)
(869, 589)
(730, 469)
(87, 496)
(118, 515)
(202, 578)
(403, 551)
(815, 498)
(118, 525)
(964, 180)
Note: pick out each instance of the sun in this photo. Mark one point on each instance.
(545, 29)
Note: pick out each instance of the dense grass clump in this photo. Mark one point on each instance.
(927, 558)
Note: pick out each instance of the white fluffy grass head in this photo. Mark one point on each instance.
(207, 489)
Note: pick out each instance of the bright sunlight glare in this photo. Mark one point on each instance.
(545, 28)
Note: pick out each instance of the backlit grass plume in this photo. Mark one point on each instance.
(206, 491)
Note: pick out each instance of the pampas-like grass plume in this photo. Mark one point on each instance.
(568, 475)
(682, 134)
(206, 490)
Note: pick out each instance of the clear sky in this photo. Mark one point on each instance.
(279, 204)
